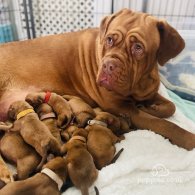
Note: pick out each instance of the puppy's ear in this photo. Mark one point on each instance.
(11, 113)
(107, 20)
(171, 43)
(39, 100)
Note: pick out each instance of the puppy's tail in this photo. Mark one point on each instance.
(96, 190)
(117, 156)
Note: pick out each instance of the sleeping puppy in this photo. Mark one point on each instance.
(101, 143)
(49, 181)
(118, 124)
(15, 150)
(80, 165)
(68, 132)
(57, 102)
(81, 110)
(33, 131)
(5, 174)
(48, 117)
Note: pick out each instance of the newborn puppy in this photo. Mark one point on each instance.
(119, 125)
(48, 117)
(5, 173)
(67, 133)
(81, 110)
(33, 131)
(101, 143)
(57, 102)
(80, 165)
(15, 150)
(49, 181)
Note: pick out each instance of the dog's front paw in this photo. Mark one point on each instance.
(64, 119)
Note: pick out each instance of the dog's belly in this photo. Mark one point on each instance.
(11, 95)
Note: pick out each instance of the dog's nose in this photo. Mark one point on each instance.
(108, 67)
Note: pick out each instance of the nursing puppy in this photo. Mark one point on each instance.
(48, 117)
(81, 110)
(80, 165)
(43, 183)
(118, 124)
(15, 150)
(33, 131)
(57, 102)
(101, 143)
(67, 133)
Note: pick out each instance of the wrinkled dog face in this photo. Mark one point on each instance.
(131, 44)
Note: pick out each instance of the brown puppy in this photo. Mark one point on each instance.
(113, 67)
(81, 110)
(49, 181)
(68, 132)
(5, 174)
(15, 150)
(80, 165)
(33, 131)
(57, 102)
(119, 125)
(48, 117)
(101, 143)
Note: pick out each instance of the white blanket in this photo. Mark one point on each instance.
(149, 164)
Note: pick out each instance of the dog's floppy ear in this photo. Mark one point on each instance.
(171, 43)
(107, 20)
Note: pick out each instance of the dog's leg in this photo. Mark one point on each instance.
(5, 174)
(64, 149)
(158, 106)
(169, 130)
(44, 158)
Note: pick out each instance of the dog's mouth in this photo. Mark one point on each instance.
(105, 80)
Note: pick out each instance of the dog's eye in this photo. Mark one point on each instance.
(109, 41)
(137, 49)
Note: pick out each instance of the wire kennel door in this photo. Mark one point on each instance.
(57, 16)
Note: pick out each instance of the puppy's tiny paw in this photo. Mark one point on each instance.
(154, 107)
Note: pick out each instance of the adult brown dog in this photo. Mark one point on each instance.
(114, 66)
(42, 183)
